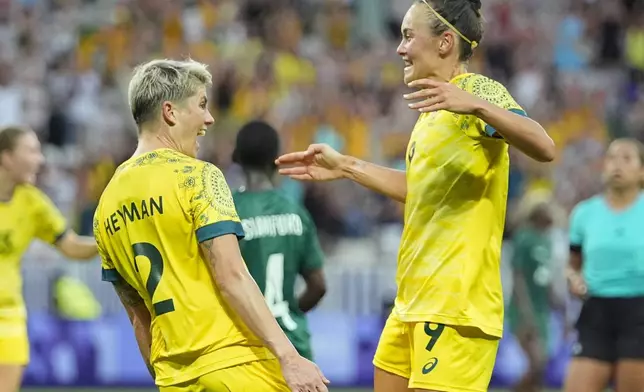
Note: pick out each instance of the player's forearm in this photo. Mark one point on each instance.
(389, 182)
(310, 298)
(245, 298)
(144, 341)
(574, 262)
(522, 297)
(77, 247)
(519, 131)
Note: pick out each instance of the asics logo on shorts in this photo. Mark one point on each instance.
(429, 366)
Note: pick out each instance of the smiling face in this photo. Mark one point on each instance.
(418, 48)
(169, 102)
(191, 119)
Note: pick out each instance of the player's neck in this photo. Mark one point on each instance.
(620, 198)
(258, 181)
(7, 186)
(149, 142)
(449, 72)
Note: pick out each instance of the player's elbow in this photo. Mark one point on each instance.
(545, 151)
(318, 289)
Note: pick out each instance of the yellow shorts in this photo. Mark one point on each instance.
(264, 375)
(14, 344)
(436, 356)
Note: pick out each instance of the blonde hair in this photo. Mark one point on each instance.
(157, 81)
(9, 137)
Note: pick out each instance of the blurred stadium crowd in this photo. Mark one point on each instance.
(320, 71)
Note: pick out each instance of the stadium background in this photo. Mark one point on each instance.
(319, 70)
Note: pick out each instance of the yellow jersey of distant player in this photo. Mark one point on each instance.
(149, 222)
(457, 185)
(28, 215)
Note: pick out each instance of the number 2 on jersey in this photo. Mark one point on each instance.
(150, 252)
(274, 292)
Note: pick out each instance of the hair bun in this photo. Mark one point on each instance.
(476, 6)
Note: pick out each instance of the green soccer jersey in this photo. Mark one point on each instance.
(533, 261)
(280, 244)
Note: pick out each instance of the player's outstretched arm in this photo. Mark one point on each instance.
(140, 318)
(320, 162)
(77, 247)
(242, 294)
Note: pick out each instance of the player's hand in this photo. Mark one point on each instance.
(319, 162)
(302, 375)
(433, 96)
(577, 285)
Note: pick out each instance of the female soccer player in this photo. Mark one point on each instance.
(531, 303)
(444, 331)
(607, 271)
(26, 213)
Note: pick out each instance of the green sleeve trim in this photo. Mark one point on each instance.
(218, 229)
(492, 132)
(60, 236)
(110, 275)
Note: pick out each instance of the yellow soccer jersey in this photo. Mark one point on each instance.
(28, 215)
(457, 185)
(149, 222)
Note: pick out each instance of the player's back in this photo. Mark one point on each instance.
(148, 224)
(280, 244)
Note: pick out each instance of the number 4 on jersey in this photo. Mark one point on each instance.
(274, 292)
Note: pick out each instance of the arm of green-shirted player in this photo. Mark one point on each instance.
(139, 316)
(315, 289)
(312, 261)
(520, 289)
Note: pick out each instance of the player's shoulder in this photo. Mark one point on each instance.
(490, 90)
(278, 202)
(475, 82)
(588, 206)
(29, 195)
(293, 206)
(163, 159)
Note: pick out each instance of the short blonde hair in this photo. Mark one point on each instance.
(164, 80)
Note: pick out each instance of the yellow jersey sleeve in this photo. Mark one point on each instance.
(108, 270)
(212, 206)
(50, 223)
(493, 92)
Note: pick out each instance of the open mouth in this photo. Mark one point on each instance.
(408, 64)
(201, 132)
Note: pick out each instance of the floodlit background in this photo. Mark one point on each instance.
(319, 70)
